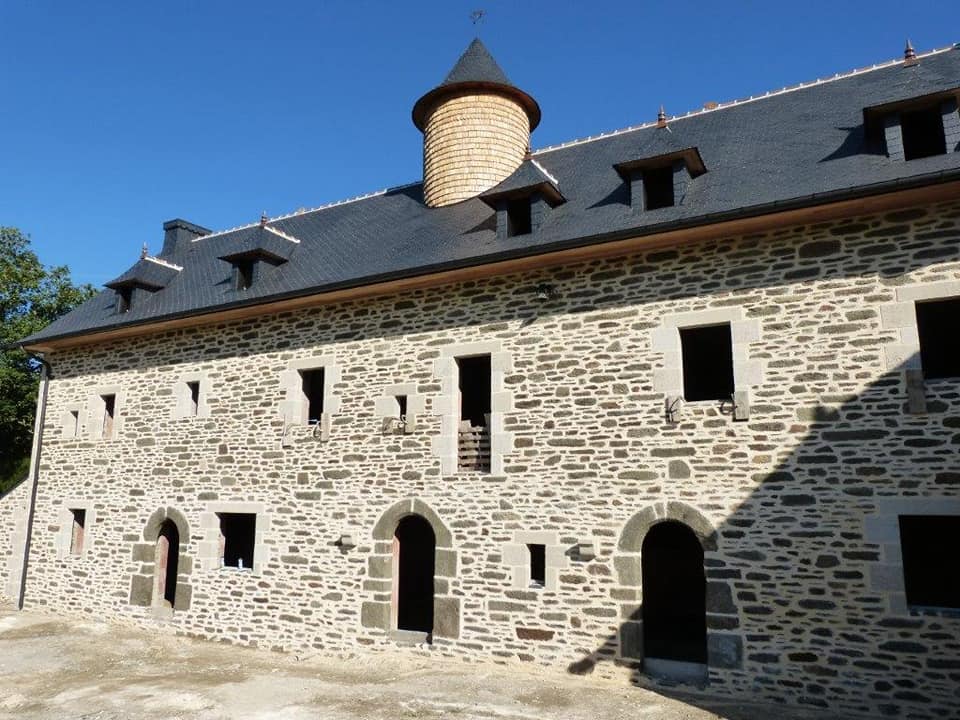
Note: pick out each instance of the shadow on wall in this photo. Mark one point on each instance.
(800, 592)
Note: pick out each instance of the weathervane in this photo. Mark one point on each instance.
(476, 17)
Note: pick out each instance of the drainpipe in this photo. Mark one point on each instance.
(46, 373)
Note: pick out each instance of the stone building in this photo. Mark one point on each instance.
(680, 401)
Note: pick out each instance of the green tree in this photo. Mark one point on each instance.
(31, 296)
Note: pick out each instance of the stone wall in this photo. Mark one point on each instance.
(14, 507)
(790, 504)
(470, 143)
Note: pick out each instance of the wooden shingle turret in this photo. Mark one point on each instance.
(476, 129)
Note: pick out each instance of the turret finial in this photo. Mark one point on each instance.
(909, 54)
(263, 219)
(662, 118)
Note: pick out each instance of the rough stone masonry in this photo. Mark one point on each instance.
(795, 506)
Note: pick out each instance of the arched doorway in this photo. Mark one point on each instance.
(674, 594)
(166, 561)
(414, 545)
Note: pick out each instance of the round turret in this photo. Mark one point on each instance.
(476, 129)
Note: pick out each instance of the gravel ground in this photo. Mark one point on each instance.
(52, 667)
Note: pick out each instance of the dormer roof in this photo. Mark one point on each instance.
(149, 273)
(527, 179)
(659, 147)
(261, 242)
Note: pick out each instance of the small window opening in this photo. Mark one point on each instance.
(194, 406)
(707, 354)
(474, 389)
(243, 273)
(124, 299)
(402, 406)
(922, 133)
(109, 410)
(658, 188)
(74, 423)
(79, 523)
(929, 569)
(312, 385)
(518, 217)
(538, 565)
(237, 538)
(939, 340)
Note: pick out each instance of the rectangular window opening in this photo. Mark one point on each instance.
(518, 217)
(939, 340)
(402, 406)
(243, 273)
(658, 188)
(538, 565)
(707, 356)
(929, 567)
(73, 429)
(922, 133)
(473, 445)
(312, 386)
(79, 522)
(109, 410)
(124, 299)
(194, 405)
(238, 533)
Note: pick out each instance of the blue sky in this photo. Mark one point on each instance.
(117, 116)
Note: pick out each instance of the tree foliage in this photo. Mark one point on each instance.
(31, 296)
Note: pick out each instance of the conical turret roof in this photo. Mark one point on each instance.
(475, 70)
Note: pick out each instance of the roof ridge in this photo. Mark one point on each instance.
(743, 101)
(281, 234)
(305, 211)
(546, 172)
(164, 263)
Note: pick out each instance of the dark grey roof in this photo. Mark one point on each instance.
(145, 273)
(476, 65)
(526, 179)
(789, 149)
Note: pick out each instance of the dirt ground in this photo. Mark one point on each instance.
(62, 668)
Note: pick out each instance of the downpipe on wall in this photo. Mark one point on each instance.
(46, 374)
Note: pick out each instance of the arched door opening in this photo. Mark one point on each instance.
(414, 546)
(674, 594)
(165, 565)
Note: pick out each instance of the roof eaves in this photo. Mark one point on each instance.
(850, 193)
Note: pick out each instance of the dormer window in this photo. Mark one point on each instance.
(254, 251)
(148, 276)
(922, 133)
(518, 217)
(658, 187)
(660, 181)
(243, 272)
(915, 128)
(523, 200)
(124, 299)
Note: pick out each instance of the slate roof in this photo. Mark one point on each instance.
(147, 273)
(260, 241)
(788, 149)
(527, 178)
(476, 65)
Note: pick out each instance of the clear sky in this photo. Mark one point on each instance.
(116, 116)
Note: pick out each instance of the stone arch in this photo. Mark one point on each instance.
(724, 648)
(378, 613)
(144, 553)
